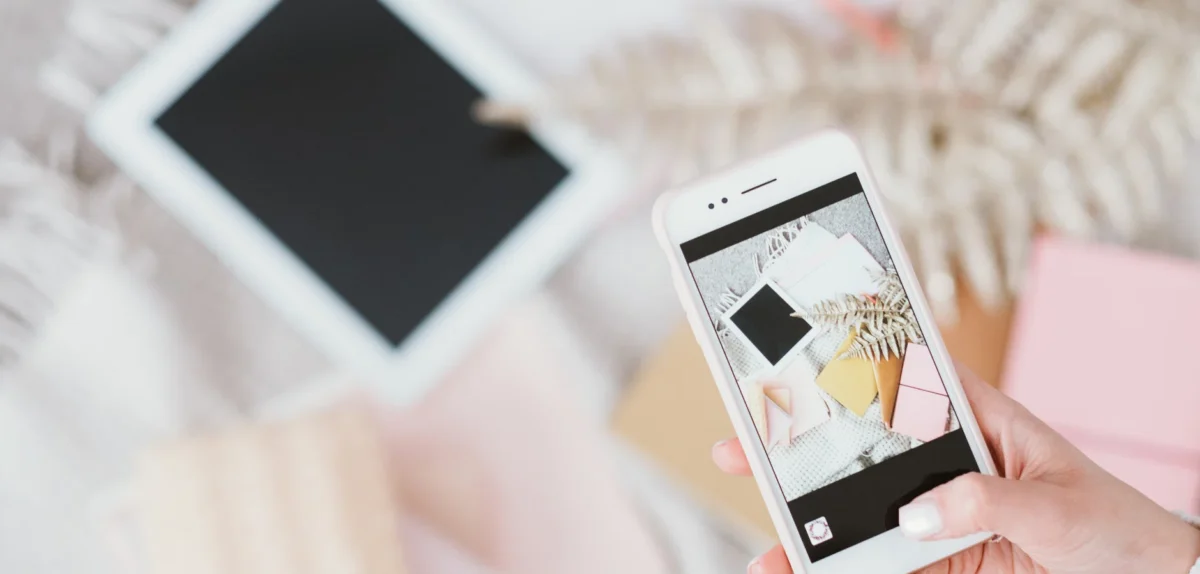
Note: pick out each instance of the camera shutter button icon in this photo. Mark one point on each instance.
(818, 531)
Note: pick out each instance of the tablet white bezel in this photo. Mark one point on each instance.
(123, 125)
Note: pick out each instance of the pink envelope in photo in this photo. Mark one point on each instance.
(919, 372)
(920, 414)
(922, 407)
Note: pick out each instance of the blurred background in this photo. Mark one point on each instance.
(157, 415)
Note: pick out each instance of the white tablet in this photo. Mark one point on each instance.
(324, 150)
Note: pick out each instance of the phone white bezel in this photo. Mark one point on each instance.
(123, 125)
(805, 165)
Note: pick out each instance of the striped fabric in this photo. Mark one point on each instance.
(308, 495)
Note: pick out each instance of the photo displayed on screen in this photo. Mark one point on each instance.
(833, 366)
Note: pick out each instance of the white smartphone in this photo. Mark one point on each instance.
(825, 351)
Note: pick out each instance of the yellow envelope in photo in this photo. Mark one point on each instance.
(887, 380)
(850, 381)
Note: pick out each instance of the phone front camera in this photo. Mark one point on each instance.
(710, 206)
(724, 200)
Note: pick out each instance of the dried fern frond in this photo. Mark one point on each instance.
(891, 291)
(683, 107)
(849, 312)
(993, 118)
(882, 324)
(1108, 93)
(877, 345)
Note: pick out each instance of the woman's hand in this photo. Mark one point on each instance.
(1057, 511)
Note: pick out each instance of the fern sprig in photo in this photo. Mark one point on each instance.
(882, 323)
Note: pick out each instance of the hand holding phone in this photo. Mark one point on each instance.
(827, 357)
(848, 409)
(1056, 510)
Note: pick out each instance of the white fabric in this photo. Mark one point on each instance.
(109, 374)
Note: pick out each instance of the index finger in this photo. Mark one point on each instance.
(730, 457)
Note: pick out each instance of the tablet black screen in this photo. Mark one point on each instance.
(351, 140)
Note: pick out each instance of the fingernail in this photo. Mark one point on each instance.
(755, 567)
(920, 519)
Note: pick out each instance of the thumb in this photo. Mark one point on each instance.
(1021, 511)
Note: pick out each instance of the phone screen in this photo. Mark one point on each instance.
(831, 362)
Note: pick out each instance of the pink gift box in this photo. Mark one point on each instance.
(1103, 349)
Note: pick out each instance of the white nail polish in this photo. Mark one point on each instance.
(920, 520)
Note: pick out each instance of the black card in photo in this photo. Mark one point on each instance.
(767, 323)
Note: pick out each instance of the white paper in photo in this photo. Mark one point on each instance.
(808, 408)
(804, 262)
(849, 269)
(803, 267)
(803, 254)
(785, 403)
(779, 424)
